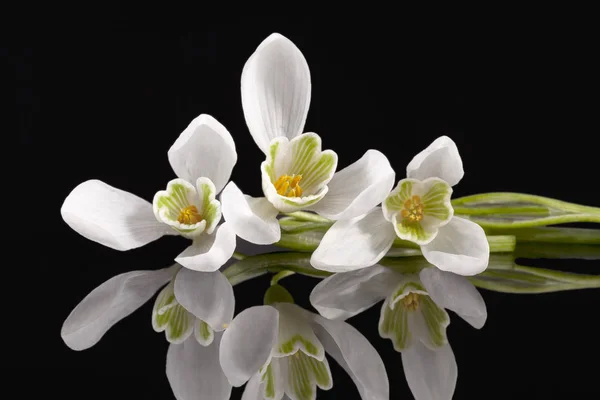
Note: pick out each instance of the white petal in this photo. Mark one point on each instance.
(355, 243)
(247, 343)
(207, 295)
(455, 293)
(461, 247)
(440, 159)
(111, 216)
(275, 91)
(356, 355)
(209, 252)
(357, 188)
(346, 294)
(109, 303)
(295, 333)
(253, 218)
(194, 372)
(254, 389)
(204, 149)
(431, 374)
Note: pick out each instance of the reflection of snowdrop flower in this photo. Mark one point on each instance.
(297, 174)
(193, 366)
(418, 210)
(280, 351)
(412, 316)
(202, 157)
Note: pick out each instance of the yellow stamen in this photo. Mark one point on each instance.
(413, 210)
(289, 186)
(189, 216)
(411, 301)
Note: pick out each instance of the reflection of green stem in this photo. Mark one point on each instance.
(551, 235)
(307, 216)
(508, 197)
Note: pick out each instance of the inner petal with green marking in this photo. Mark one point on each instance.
(296, 334)
(295, 173)
(419, 208)
(304, 375)
(169, 316)
(187, 209)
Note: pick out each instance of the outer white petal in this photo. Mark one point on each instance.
(355, 243)
(204, 149)
(194, 372)
(209, 252)
(461, 247)
(247, 343)
(207, 295)
(356, 355)
(357, 188)
(253, 218)
(455, 293)
(275, 91)
(440, 159)
(111, 216)
(431, 374)
(109, 303)
(346, 294)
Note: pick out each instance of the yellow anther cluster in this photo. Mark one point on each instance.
(288, 186)
(413, 210)
(189, 216)
(411, 301)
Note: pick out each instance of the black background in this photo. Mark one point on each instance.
(106, 97)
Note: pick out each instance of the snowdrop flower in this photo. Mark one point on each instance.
(193, 309)
(412, 317)
(202, 157)
(417, 210)
(279, 350)
(297, 174)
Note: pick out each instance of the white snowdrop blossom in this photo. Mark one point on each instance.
(412, 317)
(297, 174)
(192, 309)
(279, 350)
(417, 210)
(202, 157)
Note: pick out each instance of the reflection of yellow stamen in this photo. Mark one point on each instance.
(413, 210)
(288, 186)
(189, 216)
(225, 326)
(411, 301)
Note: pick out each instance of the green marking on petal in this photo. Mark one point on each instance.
(179, 207)
(204, 333)
(414, 232)
(393, 325)
(169, 316)
(269, 379)
(210, 206)
(436, 321)
(270, 165)
(404, 289)
(395, 201)
(305, 374)
(436, 202)
(295, 333)
(320, 172)
(297, 342)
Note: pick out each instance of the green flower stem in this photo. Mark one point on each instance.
(254, 266)
(308, 216)
(551, 235)
(238, 256)
(508, 197)
(280, 275)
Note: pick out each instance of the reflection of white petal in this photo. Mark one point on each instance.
(275, 91)
(194, 372)
(204, 149)
(346, 294)
(357, 188)
(295, 333)
(247, 343)
(455, 293)
(254, 390)
(209, 252)
(207, 295)
(431, 374)
(355, 243)
(111, 216)
(253, 219)
(109, 303)
(461, 247)
(440, 159)
(356, 355)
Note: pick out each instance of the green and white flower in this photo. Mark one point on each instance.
(297, 174)
(418, 210)
(412, 317)
(195, 302)
(202, 157)
(279, 350)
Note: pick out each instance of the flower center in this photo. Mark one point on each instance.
(411, 301)
(413, 210)
(288, 186)
(189, 216)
